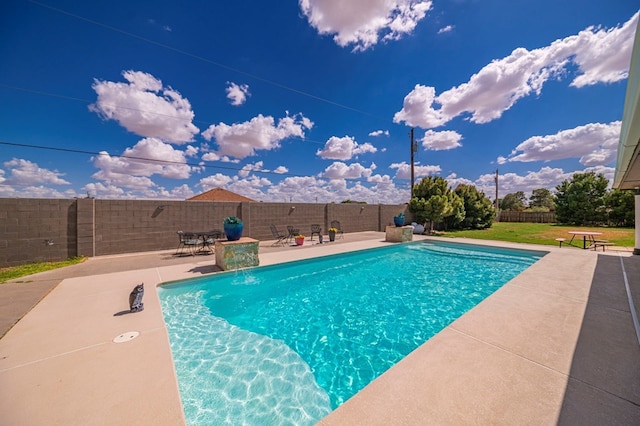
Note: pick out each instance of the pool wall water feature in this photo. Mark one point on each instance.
(239, 254)
(342, 264)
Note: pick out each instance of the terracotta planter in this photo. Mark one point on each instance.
(300, 241)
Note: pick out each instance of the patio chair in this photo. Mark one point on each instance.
(281, 239)
(187, 244)
(336, 224)
(316, 229)
(209, 239)
(292, 233)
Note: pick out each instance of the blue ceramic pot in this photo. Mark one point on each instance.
(233, 231)
(398, 220)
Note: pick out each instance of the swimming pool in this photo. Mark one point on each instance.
(288, 343)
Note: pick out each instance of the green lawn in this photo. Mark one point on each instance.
(544, 233)
(13, 272)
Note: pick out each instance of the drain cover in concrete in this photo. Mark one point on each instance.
(125, 337)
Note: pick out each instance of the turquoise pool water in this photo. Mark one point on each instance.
(287, 344)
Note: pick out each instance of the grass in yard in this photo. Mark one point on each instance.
(545, 233)
(14, 272)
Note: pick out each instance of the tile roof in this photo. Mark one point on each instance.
(219, 194)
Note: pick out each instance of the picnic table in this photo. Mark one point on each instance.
(586, 236)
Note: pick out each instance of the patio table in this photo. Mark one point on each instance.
(208, 237)
(586, 235)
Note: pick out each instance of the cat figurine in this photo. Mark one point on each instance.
(135, 298)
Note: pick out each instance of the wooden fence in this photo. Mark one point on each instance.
(531, 217)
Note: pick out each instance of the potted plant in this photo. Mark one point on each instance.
(398, 220)
(233, 228)
(332, 234)
(299, 240)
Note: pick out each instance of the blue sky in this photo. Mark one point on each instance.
(310, 100)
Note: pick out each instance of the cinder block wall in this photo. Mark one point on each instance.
(126, 226)
(90, 227)
(387, 212)
(37, 230)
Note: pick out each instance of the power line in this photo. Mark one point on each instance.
(88, 102)
(133, 157)
(188, 54)
(201, 58)
(153, 160)
(183, 52)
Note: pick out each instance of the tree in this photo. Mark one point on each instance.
(541, 198)
(516, 201)
(581, 200)
(433, 200)
(620, 206)
(479, 211)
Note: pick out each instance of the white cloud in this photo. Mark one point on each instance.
(260, 133)
(594, 144)
(248, 168)
(301, 189)
(311, 189)
(344, 148)
(281, 170)
(417, 109)
(130, 171)
(454, 181)
(214, 181)
(112, 178)
(26, 173)
(601, 56)
(340, 170)
(439, 141)
(363, 23)
(237, 94)
(350, 186)
(252, 187)
(404, 170)
(191, 151)
(546, 177)
(379, 133)
(100, 190)
(446, 29)
(509, 183)
(383, 191)
(34, 192)
(212, 156)
(162, 159)
(181, 192)
(297, 189)
(143, 106)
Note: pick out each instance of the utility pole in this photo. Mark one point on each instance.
(414, 148)
(497, 201)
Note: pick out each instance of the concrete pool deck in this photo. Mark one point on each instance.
(555, 345)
